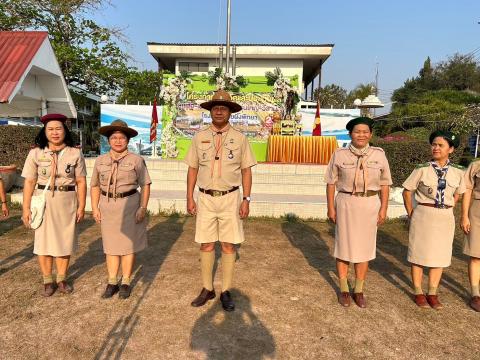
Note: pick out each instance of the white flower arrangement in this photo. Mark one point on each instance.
(169, 141)
(174, 91)
(226, 81)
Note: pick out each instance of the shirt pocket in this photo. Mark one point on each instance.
(232, 153)
(452, 186)
(428, 188)
(374, 169)
(127, 172)
(103, 174)
(44, 170)
(204, 151)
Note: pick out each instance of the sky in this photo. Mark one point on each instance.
(398, 35)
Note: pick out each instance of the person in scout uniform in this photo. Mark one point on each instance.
(437, 185)
(219, 160)
(57, 160)
(470, 224)
(118, 206)
(361, 175)
(3, 198)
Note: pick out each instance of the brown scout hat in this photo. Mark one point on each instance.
(222, 97)
(117, 125)
(49, 117)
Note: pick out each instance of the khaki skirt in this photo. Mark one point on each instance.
(472, 240)
(430, 237)
(120, 234)
(57, 235)
(356, 228)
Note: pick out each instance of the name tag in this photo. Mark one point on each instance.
(345, 163)
(372, 162)
(206, 141)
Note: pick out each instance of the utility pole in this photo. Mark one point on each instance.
(227, 69)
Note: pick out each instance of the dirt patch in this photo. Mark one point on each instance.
(285, 290)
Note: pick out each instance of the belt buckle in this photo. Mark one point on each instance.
(216, 193)
(61, 188)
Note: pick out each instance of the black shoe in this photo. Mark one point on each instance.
(204, 296)
(227, 302)
(110, 291)
(125, 291)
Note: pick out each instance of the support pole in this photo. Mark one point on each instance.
(227, 67)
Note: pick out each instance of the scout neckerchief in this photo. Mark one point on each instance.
(218, 145)
(54, 165)
(116, 157)
(441, 174)
(361, 155)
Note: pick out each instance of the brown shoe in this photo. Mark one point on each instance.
(344, 298)
(475, 303)
(359, 300)
(49, 289)
(434, 302)
(204, 296)
(421, 301)
(64, 287)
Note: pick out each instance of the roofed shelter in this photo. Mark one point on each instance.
(31, 81)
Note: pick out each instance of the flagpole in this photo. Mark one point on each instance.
(228, 38)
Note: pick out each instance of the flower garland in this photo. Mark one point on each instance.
(226, 81)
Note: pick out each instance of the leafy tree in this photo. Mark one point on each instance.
(331, 96)
(361, 91)
(140, 86)
(87, 52)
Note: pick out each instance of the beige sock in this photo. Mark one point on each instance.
(358, 286)
(432, 290)
(126, 280)
(113, 280)
(475, 290)
(60, 277)
(418, 290)
(47, 279)
(344, 285)
(207, 260)
(228, 263)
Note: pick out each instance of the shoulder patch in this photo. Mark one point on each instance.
(422, 165)
(377, 148)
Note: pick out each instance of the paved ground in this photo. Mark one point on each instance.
(285, 288)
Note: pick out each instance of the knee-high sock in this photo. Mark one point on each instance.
(207, 259)
(228, 263)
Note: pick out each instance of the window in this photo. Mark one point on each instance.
(193, 66)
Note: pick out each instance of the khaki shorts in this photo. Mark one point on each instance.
(218, 219)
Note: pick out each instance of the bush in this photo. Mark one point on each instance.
(403, 156)
(15, 143)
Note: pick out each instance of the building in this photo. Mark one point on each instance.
(301, 60)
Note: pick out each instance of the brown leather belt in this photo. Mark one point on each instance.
(436, 206)
(368, 193)
(216, 193)
(119, 195)
(58, 188)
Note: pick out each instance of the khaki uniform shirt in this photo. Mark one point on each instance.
(472, 178)
(38, 165)
(236, 155)
(132, 173)
(424, 181)
(343, 164)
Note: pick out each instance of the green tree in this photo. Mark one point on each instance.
(88, 53)
(140, 86)
(361, 91)
(459, 72)
(331, 96)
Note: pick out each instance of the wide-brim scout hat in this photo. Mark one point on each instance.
(117, 125)
(49, 117)
(359, 120)
(452, 139)
(222, 97)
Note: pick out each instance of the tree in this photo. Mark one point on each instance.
(331, 96)
(87, 52)
(140, 86)
(459, 72)
(361, 91)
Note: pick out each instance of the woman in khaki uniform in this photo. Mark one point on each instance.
(470, 224)
(361, 175)
(437, 186)
(118, 206)
(3, 199)
(55, 158)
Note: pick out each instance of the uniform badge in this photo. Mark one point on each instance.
(68, 168)
(204, 156)
(44, 171)
(430, 191)
(230, 155)
(231, 141)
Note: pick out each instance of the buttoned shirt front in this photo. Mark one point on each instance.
(472, 178)
(219, 169)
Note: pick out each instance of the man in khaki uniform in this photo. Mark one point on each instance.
(219, 161)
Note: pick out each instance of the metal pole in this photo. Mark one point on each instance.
(234, 59)
(227, 67)
(220, 51)
(476, 145)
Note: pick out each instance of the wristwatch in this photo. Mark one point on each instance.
(248, 198)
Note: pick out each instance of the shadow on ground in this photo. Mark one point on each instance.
(233, 335)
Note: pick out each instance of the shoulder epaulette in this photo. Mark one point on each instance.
(458, 166)
(422, 165)
(476, 159)
(377, 148)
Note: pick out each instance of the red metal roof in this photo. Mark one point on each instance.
(17, 49)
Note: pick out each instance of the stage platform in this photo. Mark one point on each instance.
(278, 189)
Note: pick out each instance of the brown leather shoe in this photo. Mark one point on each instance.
(434, 302)
(227, 301)
(64, 287)
(359, 300)
(475, 303)
(110, 290)
(125, 291)
(204, 296)
(49, 289)
(421, 301)
(344, 298)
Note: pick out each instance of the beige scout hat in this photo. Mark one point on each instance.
(117, 125)
(222, 97)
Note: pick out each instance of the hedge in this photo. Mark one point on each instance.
(404, 155)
